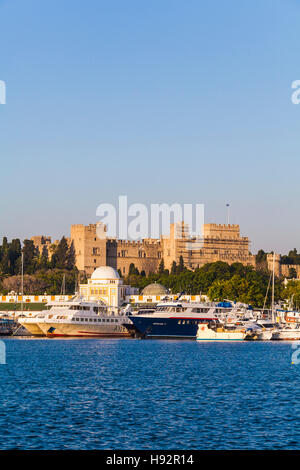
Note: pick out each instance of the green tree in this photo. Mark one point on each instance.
(71, 257)
(174, 268)
(14, 254)
(61, 254)
(29, 253)
(180, 267)
(43, 263)
(292, 273)
(161, 267)
(5, 262)
(131, 269)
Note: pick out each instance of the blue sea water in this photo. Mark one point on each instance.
(134, 394)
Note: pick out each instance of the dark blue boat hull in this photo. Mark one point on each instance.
(165, 327)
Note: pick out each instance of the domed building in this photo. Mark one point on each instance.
(104, 273)
(106, 285)
(154, 289)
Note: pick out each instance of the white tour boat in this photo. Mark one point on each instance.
(78, 318)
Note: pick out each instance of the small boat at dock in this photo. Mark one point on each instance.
(210, 332)
(287, 333)
(262, 330)
(6, 326)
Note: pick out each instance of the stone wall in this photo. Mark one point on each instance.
(281, 270)
(220, 243)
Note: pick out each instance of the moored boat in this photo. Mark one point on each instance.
(6, 326)
(180, 320)
(215, 332)
(262, 330)
(32, 323)
(287, 333)
(77, 318)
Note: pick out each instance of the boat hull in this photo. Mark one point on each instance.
(167, 328)
(265, 336)
(32, 327)
(53, 330)
(207, 334)
(259, 336)
(286, 336)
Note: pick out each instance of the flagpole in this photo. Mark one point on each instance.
(228, 206)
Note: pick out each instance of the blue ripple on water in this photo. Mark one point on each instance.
(132, 394)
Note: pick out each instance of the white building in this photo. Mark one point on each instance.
(105, 284)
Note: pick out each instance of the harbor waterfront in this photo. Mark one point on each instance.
(116, 393)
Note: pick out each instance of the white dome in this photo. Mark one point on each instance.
(105, 272)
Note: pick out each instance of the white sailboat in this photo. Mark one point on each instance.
(263, 330)
(19, 329)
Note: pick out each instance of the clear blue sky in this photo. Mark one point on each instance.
(165, 101)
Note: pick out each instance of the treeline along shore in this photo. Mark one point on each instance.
(217, 280)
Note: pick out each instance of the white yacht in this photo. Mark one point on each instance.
(287, 333)
(78, 318)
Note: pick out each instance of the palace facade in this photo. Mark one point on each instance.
(219, 243)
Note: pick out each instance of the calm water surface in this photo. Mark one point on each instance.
(133, 394)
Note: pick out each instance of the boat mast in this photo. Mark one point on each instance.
(273, 286)
(63, 286)
(22, 280)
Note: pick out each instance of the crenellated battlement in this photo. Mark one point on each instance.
(219, 242)
(224, 226)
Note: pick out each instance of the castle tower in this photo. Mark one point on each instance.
(89, 248)
(277, 267)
